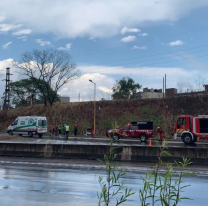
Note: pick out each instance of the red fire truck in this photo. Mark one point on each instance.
(190, 128)
(137, 129)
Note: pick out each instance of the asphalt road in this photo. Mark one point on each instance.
(23, 185)
(102, 141)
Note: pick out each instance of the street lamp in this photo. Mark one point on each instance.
(94, 102)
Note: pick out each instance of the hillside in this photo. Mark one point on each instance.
(162, 111)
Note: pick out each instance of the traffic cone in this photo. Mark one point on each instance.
(150, 142)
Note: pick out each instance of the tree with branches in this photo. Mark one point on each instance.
(55, 67)
(125, 88)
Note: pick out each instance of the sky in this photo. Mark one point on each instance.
(110, 39)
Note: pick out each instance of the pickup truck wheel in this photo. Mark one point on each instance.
(143, 138)
(40, 135)
(187, 139)
(30, 134)
(116, 137)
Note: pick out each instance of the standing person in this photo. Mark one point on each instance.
(59, 129)
(82, 129)
(67, 131)
(56, 129)
(75, 129)
(92, 130)
(63, 128)
(53, 128)
(160, 132)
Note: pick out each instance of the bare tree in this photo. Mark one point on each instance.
(200, 82)
(55, 67)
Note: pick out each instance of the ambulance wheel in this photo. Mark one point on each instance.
(40, 135)
(30, 134)
(143, 138)
(187, 139)
(10, 132)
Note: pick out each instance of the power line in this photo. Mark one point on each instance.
(103, 50)
(161, 58)
(154, 54)
(174, 60)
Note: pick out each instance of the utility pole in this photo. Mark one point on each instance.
(79, 98)
(165, 85)
(94, 105)
(163, 88)
(7, 90)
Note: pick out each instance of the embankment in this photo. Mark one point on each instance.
(162, 111)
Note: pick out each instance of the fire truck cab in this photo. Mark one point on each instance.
(190, 128)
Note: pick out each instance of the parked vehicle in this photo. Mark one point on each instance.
(137, 129)
(190, 128)
(28, 125)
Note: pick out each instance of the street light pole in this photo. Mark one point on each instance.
(94, 105)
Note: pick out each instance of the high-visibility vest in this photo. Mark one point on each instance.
(67, 128)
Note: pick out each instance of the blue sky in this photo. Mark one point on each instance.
(109, 39)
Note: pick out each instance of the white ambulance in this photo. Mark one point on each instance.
(28, 125)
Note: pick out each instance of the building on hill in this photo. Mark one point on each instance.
(149, 94)
(170, 92)
(65, 99)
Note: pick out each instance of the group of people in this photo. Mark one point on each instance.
(58, 129)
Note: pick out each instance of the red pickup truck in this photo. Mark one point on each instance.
(137, 129)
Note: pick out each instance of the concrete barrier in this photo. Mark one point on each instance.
(125, 153)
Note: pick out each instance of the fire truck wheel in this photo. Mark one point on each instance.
(116, 137)
(187, 139)
(143, 138)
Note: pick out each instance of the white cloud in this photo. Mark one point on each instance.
(43, 43)
(140, 71)
(2, 18)
(5, 46)
(82, 86)
(22, 32)
(144, 34)
(106, 90)
(93, 18)
(9, 27)
(176, 43)
(129, 30)
(23, 38)
(67, 47)
(128, 39)
(139, 47)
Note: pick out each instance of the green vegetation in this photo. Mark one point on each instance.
(158, 188)
(125, 89)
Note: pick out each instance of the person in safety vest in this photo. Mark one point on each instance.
(160, 132)
(67, 130)
(59, 129)
(75, 129)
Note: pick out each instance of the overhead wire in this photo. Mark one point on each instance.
(103, 50)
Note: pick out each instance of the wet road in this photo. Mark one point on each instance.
(103, 141)
(33, 186)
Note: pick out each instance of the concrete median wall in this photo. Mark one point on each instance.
(125, 153)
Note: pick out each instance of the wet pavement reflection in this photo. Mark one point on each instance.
(39, 187)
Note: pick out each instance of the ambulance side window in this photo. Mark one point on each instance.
(15, 122)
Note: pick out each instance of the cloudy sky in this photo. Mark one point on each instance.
(109, 39)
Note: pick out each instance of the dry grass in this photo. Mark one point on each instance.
(123, 111)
